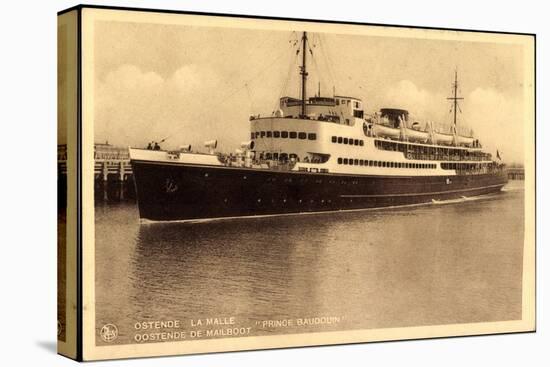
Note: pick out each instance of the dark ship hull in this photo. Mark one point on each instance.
(185, 192)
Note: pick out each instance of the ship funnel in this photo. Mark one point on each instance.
(248, 145)
(185, 148)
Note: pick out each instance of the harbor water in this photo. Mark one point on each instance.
(442, 263)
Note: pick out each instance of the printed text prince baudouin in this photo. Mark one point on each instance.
(212, 327)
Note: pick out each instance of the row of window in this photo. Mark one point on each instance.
(414, 151)
(466, 166)
(279, 156)
(346, 101)
(350, 141)
(365, 162)
(283, 135)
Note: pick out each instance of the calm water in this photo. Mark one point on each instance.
(427, 265)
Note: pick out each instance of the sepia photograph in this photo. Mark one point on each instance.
(263, 183)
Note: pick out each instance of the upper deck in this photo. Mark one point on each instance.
(337, 109)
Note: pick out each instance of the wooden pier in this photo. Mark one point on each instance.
(111, 163)
(516, 173)
(112, 173)
(113, 177)
(112, 169)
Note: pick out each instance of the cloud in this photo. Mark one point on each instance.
(421, 103)
(190, 106)
(128, 77)
(494, 116)
(497, 118)
(134, 106)
(191, 79)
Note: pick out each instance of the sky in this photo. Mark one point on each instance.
(191, 84)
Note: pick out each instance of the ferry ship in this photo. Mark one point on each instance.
(316, 154)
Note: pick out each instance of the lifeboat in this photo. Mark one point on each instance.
(395, 133)
(441, 138)
(386, 131)
(448, 139)
(417, 135)
(465, 140)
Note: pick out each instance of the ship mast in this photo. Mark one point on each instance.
(455, 98)
(303, 72)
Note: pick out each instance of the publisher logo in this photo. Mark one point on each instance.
(170, 186)
(108, 333)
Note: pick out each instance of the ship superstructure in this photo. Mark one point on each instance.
(317, 154)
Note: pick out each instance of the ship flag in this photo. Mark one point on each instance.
(498, 155)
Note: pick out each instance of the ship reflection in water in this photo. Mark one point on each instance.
(427, 265)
